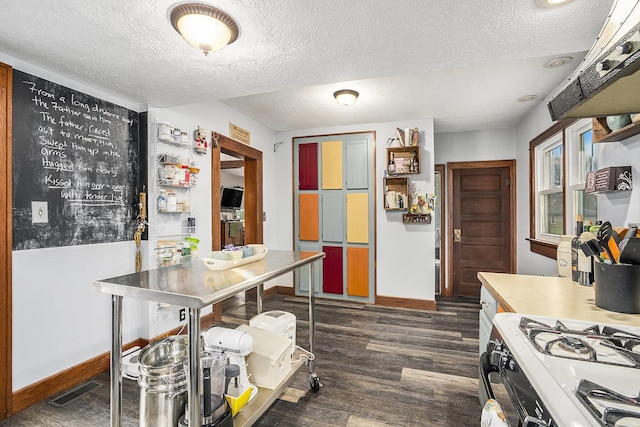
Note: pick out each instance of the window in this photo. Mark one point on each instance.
(560, 160)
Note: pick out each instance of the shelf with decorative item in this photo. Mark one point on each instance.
(403, 160)
(410, 218)
(615, 128)
(396, 193)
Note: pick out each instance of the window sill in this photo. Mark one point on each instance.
(546, 249)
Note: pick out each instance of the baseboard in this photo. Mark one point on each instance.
(284, 290)
(419, 304)
(51, 386)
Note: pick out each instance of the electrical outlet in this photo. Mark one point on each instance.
(39, 212)
(183, 314)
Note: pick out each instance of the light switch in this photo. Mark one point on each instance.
(39, 212)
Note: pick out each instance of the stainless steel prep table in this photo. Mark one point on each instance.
(194, 286)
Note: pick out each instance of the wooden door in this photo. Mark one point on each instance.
(482, 222)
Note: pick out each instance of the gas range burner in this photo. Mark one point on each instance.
(612, 409)
(601, 344)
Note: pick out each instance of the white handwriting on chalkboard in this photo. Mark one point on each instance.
(91, 151)
(32, 87)
(107, 170)
(77, 103)
(57, 166)
(54, 182)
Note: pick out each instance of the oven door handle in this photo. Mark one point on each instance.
(485, 392)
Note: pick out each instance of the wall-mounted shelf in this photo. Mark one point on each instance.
(602, 133)
(416, 218)
(396, 193)
(403, 160)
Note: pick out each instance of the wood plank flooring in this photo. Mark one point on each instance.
(379, 367)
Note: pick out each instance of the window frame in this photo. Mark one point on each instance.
(574, 182)
(555, 141)
(547, 247)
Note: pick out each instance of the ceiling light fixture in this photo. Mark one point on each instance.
(346, 97)
(548, 4)
(558, 62)
(203, 27)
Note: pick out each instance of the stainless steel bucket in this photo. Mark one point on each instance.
(163, 382)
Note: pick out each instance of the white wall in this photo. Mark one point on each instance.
(58, 319)
(618, 208)
(491, 144)
(404, 251)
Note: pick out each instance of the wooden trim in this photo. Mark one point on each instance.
(546, 249)
(49, 387)
(231, 164)
(253, 196)
(542, 137)
(451, 166)
(6, 328)
(443, 226)
(285, 290)
(411, 303)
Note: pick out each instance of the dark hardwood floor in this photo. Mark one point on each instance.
(379, 367)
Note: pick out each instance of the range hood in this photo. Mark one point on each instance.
(607, 82)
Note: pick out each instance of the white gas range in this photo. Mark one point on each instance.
(561, 372)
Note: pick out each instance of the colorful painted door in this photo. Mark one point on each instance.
(335, 212)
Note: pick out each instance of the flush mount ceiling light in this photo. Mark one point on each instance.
(548, 4)
(346, 97)
(558, 62)
(203, 27)
(527, 98)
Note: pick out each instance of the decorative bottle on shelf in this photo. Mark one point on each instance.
(414, 164)
(392, 166)
(162, 201)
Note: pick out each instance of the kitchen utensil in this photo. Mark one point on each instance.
(631, 233)
(631, 252)
(604, 237)
(591, 248)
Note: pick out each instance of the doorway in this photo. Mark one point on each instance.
(481, 223)
(251, 159)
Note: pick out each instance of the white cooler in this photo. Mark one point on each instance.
(270, 360)
(280, 323)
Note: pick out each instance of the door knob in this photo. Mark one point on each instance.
(457, 235)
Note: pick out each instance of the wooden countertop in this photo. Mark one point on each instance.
(550, 296)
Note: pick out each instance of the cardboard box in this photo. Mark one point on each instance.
(270, 360)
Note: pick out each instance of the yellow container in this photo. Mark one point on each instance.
(237, 403)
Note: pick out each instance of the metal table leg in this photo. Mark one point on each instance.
(193, 397)
(314, 381)
(116, 361)
(259, 292)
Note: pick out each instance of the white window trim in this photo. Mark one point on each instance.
(573, 183)
(554, 141)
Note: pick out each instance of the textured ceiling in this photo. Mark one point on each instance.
(464, 63)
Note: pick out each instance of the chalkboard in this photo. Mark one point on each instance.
(79, 154)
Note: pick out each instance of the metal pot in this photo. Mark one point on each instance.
(163, 382)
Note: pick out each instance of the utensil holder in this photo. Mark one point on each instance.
(617, 287)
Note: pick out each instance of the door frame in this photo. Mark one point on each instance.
(252, 159)
(451, 167)
(442, 169)
(6, 396)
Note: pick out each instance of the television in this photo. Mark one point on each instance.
(231, 198)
